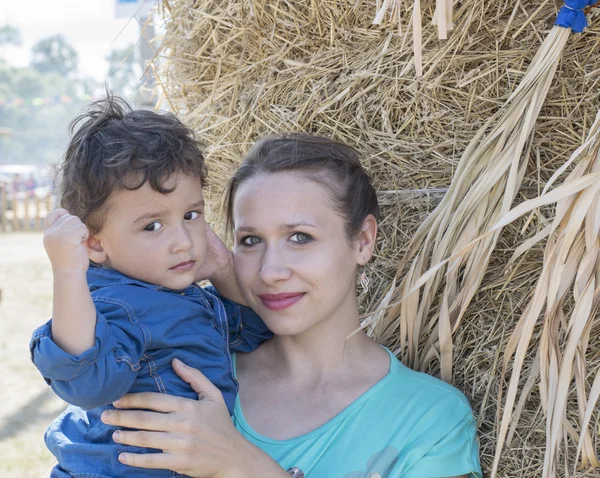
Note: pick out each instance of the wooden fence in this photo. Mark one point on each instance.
(23, 213)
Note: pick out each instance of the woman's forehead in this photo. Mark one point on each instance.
(285, 185)
(284, 198)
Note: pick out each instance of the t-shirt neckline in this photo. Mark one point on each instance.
(342, 415)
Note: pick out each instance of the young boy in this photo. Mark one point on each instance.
(125, 259)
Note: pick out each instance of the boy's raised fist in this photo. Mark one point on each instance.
(64, 241)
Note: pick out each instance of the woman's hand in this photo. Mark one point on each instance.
(196, 437)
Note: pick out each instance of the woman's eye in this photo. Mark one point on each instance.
(153, 226)
(250, 240)
(300, 238)
(191, 215)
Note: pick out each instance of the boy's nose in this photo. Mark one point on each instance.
(183, 240)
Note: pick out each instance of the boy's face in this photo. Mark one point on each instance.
(157, 238)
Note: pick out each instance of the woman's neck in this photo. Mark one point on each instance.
(320, 353)
(292, 385)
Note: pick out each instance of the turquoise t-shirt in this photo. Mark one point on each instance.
(408, 425)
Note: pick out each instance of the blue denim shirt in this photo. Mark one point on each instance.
(140, 328)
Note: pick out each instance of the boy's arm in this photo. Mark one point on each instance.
(218, 268)
(88, 361)
(226, 283)
(246, 329)
(102, 373)
(73, 312)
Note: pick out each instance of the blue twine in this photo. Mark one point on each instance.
(571, 15)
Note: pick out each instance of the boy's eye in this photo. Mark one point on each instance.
(191, 215)
(250, 240)
(153, 226)
(300, 238)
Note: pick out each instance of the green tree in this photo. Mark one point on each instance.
(10, 35)
(37, 109)
(54, 54)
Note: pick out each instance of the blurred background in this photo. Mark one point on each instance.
(55, 57)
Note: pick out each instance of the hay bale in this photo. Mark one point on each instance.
(240, 69)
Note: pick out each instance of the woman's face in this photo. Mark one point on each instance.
(293, 261)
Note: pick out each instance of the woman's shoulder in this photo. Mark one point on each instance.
(417, 411)
(422, 390)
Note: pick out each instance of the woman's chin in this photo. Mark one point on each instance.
(287, 327)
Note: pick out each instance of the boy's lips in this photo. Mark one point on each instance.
(280, 301)
(183, 266)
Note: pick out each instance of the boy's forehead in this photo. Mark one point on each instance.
(186, 190)
(134, 179)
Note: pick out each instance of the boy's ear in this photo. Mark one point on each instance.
(96, 252)
(366, 239)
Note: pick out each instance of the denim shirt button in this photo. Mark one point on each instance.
(182, 293)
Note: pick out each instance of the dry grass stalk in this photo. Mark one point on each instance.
(485, 184)
(571, 264)
(240, 69)
(391, 10)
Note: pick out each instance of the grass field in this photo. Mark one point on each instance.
(28, 405)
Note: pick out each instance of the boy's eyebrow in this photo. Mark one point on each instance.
(197, 204)
(155, 214)
(150, 215)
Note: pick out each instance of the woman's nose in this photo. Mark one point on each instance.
(273, 267)
(182, 240)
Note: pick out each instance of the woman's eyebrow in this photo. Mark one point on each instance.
(292, 225)
(245, 229)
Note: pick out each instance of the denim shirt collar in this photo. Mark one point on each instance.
(99, 277)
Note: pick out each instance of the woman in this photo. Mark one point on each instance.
(316, 400)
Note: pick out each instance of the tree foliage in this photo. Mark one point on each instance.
(39, 131)
(9, 35)
(41, 100)
(54, 54)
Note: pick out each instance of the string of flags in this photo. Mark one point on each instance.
(42, 101)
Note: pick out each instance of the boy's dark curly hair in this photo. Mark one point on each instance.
(114, 147)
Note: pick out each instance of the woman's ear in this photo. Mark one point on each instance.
(366, 239)
(96, 252)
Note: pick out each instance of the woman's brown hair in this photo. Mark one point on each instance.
(335, 166)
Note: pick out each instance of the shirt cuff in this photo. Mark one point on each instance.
(56, 364)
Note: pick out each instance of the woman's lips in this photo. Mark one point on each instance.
(280, 301)
(183, 266)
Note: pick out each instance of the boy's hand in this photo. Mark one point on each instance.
(218, 263)
(64, 236)
(218, 268)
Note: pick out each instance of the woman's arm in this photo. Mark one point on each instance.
(198, 438)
